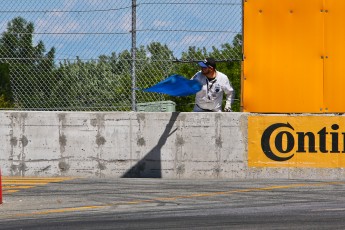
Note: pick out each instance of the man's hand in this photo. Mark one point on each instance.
(227, 107)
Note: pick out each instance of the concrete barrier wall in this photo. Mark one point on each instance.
(128, 144)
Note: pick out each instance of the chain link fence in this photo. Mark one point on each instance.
(78, 55)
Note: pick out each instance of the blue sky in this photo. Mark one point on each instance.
(89, 28)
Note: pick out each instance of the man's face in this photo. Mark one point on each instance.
(206, 70)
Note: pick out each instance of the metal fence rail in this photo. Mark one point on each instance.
(79, 55)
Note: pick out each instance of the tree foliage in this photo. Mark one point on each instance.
(31, 68)
(6, 97)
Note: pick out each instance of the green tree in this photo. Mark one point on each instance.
(154, 65)
(6, 98)
(31, 70)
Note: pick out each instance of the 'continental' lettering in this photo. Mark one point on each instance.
(303, 138)
(265, 142)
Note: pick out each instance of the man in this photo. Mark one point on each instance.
(214, 85)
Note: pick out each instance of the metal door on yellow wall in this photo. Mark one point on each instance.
(334, 68)
(293, 56)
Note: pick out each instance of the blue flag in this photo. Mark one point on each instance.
(176, 85)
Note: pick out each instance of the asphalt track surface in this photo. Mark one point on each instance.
(174, 204)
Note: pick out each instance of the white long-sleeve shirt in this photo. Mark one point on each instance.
(210, 97)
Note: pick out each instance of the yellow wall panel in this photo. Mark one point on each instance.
(283, 49)
(296, 141)
(334, 80)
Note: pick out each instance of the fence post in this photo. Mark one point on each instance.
(134, 5)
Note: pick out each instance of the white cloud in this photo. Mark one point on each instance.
(192, 39)
(68, 5)
(91, 2)
(159, 23)
(47, 25)
(125, 23)
(3, 26)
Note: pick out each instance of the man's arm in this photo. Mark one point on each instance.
(229, 92)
